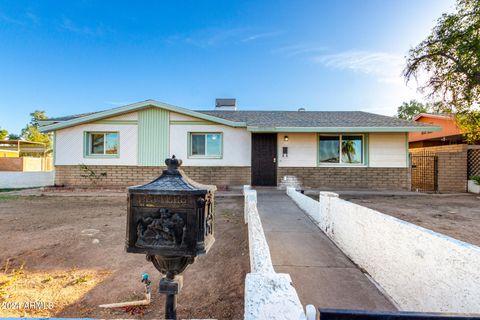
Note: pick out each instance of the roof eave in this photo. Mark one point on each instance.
(344, 129)
(435, 116)
(134, 107)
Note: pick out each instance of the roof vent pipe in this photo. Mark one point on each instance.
(225, 104)
(301, 109)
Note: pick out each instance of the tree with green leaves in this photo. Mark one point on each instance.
(410, 109)
(31, 132)
(447, 64)
(348, 148)
(3, 134)
(13, 136)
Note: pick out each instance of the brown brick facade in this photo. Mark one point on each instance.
(124, 176)
(452, 171)
(312, 177)
(349, 178)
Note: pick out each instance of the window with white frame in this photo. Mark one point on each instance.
(345, 149)
(205, 145)
(102, 143)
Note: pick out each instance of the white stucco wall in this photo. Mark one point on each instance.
(236, 145)
(385, 150)
(388, 150)
(69, 145)
(302, 149)
(174, 116)
(420, 269)
(126, 116)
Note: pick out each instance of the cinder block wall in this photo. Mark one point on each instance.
(446, 148)
(349, 178)
(452, 166)
(452, 171)
(124, 176)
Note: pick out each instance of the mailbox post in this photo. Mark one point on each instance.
(171, 220)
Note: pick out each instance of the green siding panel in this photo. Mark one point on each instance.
(153, 136)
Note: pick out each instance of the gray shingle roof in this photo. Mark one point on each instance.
(73, 116)
(313, 119)
(306, 119)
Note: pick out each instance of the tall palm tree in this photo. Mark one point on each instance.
(348, 147)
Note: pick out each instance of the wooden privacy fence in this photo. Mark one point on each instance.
(22, 164)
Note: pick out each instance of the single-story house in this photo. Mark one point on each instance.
(322, 149)
(449, 133)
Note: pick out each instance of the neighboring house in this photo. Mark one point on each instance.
(128, 145)
(450, 133)
(20, 155)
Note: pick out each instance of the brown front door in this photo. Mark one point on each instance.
(264, 159)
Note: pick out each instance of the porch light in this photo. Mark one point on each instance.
(285, 138)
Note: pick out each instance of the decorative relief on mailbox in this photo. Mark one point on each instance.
(167, 229)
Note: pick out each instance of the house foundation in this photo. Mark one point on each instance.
(348, 178)
(125, 176)
(227, 176)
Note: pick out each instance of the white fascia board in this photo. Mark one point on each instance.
(344, 129)
(134, 107)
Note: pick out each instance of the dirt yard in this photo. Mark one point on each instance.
(66, 253)
(457, 216)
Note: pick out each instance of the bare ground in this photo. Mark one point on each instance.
(457, 216)
(48, 253)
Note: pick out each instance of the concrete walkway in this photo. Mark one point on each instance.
(321, 273)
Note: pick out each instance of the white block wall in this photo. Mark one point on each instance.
(268, 295)
(26, 179)
(420, 269)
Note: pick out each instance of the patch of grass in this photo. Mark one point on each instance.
(14, 189)
(7, 197)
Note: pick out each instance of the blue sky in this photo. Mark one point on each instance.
(69, 57)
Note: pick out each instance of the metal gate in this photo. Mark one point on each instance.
(424, 173)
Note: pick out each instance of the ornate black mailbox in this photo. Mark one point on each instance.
(171, 220)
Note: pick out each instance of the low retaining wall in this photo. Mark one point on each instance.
(268, 295)
(26, 179)
(420, 269)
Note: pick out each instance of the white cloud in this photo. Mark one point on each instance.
(211, 37)
(69, 25)
(385, 67)
(261, 35)
(299, 49)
